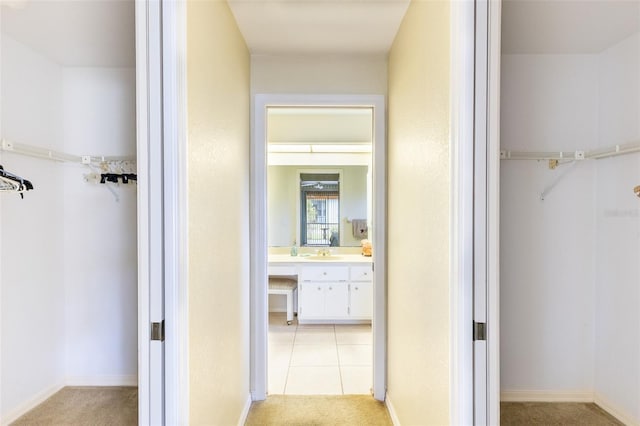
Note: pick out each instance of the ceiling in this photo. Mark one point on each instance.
(565, 27)
(273, 27)
(101, 32)
(91, 33)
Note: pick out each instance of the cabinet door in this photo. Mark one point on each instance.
(311, 300)
(361, 300)
(336, 300)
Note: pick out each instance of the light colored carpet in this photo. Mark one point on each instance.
(554, 414)
(79, 406)
(318, 410)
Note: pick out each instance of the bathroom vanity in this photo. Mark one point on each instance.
(335, 289)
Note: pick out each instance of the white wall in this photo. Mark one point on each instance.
(321, 74)
(548, 102)
(418, 217)
(31, 278)
(617, 297)
(281, 205)
(100, 239)
(353, 199)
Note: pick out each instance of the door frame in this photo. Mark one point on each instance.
(475, 204)
(486, 287)
(462, 207)
(162, 216)
(493, 210)
(259, 299)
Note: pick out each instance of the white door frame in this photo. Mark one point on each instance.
(486, 225)
(144, 32)
(259, 299)
(461, 281)
(162, 211)
(493, 211)
(475, 78)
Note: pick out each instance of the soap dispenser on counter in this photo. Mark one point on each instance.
(294, 249)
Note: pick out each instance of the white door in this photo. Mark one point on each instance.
(150, 219)
(485, 217)
(160, 32)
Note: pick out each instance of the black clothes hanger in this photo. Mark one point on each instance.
(14, 182)
(113, 177)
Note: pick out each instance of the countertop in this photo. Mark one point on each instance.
(337, 258)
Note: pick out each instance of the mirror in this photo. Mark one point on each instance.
(319, 176)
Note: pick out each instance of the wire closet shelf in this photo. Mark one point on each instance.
(556, 158)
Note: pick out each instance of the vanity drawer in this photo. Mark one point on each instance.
(324, 273)
(362, 273)
(282, 270)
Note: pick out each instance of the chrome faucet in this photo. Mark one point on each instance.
(324, 252)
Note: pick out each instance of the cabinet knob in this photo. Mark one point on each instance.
(366, 273)
(356, 288)
(324, 273)
(330, 288)
(319, 289)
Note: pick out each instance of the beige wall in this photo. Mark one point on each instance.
(218, 161)
(418, 216)
(319, 74)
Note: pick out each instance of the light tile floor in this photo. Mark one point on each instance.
(318, 359)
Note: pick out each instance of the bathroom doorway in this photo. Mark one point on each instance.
(318, 165)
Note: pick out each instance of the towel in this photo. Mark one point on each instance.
(359, 227)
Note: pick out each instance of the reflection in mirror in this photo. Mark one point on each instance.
(319, 176)
(320, 209)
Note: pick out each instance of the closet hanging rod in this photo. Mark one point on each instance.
(506, 154)
(596, 154)
(614, 150)
(48, 154)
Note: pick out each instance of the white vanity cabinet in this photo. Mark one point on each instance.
(323, 292)
(335, 292)
(361, 292)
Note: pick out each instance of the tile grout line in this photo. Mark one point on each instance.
(335, 339)
(293, 345)
(286, 379)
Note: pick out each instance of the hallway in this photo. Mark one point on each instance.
(318, 411)
(229, 67)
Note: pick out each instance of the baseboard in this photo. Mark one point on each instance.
(392, 411)
(118, 380)
(27, 406)
(546, 396)
(245, 411)
(615, 411)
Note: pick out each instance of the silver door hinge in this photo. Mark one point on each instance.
(479, 331)
(157, 331)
